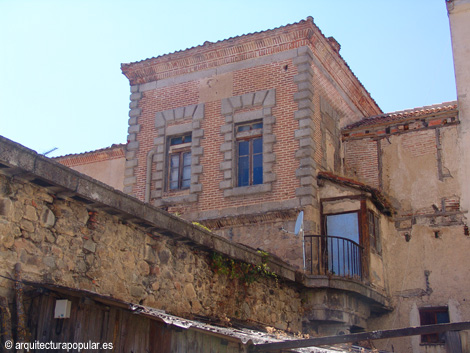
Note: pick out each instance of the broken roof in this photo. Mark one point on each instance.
(245, 336)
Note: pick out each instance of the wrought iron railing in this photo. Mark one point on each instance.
(330, 255)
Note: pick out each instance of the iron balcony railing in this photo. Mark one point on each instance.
(330, 255)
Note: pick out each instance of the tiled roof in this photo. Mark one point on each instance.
(126, 67)
(208, 43)
(404, 115)
(104, 149)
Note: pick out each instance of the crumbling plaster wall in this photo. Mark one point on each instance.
(63, 242)
(425, 272)
(427, 249)
(411, 175)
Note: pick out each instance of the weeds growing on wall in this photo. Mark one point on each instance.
(238, 270)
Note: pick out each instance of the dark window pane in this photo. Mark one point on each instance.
(442, 318)
(176, 140)
(243, 148)
(258, 126)
(258, 145)
(258, 169)
(243, 171)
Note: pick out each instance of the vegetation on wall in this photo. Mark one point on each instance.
(245, 272)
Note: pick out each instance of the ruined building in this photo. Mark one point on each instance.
(244, 134)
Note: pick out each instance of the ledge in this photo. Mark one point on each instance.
(176, 200)
(247, 190)
(348, 285)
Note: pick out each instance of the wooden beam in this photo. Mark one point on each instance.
(373, 335)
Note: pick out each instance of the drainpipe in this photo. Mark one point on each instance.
(148, 176)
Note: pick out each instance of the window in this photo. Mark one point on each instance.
(430, 316)
(179, 168)
(249, 153)
(374, 232)
(343, 251)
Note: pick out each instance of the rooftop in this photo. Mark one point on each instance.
(235, 49)
(402, 115)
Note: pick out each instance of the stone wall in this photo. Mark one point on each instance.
(67, 243)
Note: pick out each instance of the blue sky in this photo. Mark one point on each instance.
(61, 84)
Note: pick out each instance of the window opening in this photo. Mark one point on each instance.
(430, 316)
(374, 231)
(249, 153)
(344, 252)
(179, 168)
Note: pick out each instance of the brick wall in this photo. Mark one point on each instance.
(312, 93)
(361, 161)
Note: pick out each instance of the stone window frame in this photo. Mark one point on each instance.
(164, 121)
(230, 108)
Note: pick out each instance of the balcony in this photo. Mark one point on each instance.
(333, 256)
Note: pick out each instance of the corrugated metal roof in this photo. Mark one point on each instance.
(246, 336)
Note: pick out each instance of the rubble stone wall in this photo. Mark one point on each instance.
(61, 241)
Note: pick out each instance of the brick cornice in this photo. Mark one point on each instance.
(113, 152)
(224, 52)
(253, 46)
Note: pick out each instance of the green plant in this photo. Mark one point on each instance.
(245, 272)
(201, 226)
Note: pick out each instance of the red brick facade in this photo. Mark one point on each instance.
(309, 93)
